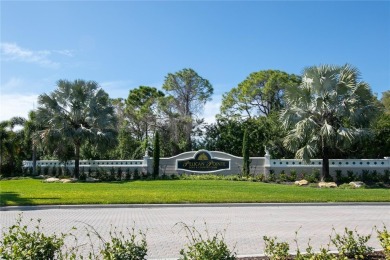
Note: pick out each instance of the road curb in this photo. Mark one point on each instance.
(182, 205)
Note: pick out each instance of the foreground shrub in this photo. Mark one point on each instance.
(122, 248)
(19, 243)
(351, 246)
(130, 246)
(200, 248)
(309, 253)
(384, 239)
(275, 250)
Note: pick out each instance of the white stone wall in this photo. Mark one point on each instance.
(345, 165)
(93, 164)
(258, 164)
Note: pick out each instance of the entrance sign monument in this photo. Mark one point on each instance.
(202, 161)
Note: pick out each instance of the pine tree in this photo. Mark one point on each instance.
(245, 154)
(156, 155)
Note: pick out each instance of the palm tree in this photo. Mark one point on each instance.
(31, 128)
(77, 112)
(10, 142)
(330, 110)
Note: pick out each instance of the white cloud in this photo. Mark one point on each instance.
(12, 84)
(20, 105)
(118, 88)
(68, 53)
(16, 105)
(13, 52)
(211, 109)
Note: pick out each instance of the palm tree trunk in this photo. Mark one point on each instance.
(325, 169)
(77, 161)
(1, 154)
(34, 159)
(325, 164)
(325, 161)
(12, 161)
(189, 130)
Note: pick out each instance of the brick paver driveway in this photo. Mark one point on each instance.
(245, 224)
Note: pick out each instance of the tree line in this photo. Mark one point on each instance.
(327, 112)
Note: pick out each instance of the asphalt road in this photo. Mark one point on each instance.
(242, 225)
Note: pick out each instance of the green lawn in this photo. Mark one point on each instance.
(35, 192)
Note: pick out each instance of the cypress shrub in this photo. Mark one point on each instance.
(156, 155)
(245, 154)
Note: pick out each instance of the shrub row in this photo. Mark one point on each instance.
(126, 174)
(19, 243)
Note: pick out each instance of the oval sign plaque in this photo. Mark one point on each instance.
(203, 162)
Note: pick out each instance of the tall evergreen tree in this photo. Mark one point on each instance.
(77, 112)
(156, 155)
(188, 94)
(245, 154)
(329, 111)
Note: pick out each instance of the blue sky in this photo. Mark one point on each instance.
(125, 44)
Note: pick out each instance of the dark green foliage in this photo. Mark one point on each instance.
(205, 248)
(377, 144)
(384, 239)
(283, 176)
(314, 176)
(136, 175)
(339, 177)
(56, 171)
(82, 176)
(128, 174)
(351, 246)
(293, 175)
(274, 249)
(227, 135)
(188, 93)
(316, 114)
(12, 147)
(259, 94)
(19, 243)
(119, 174)
(259, 177)
(121, 247)
(139, 114)
(386, 176)
(45, 170)
(156, 155)
(76, 113)
(374, 177)
(245, 155)
(112, 174)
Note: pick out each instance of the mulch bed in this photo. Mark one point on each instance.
(373, 256)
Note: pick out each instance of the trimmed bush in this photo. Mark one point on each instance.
(18, 243)
(205, 248)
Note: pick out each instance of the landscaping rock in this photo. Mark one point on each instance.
(68, 180)
(42, 176)
(327, 184)
(357, 184)
(52, 180)
(301, 182)
(90, 179)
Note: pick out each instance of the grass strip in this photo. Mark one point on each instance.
(35, 192)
